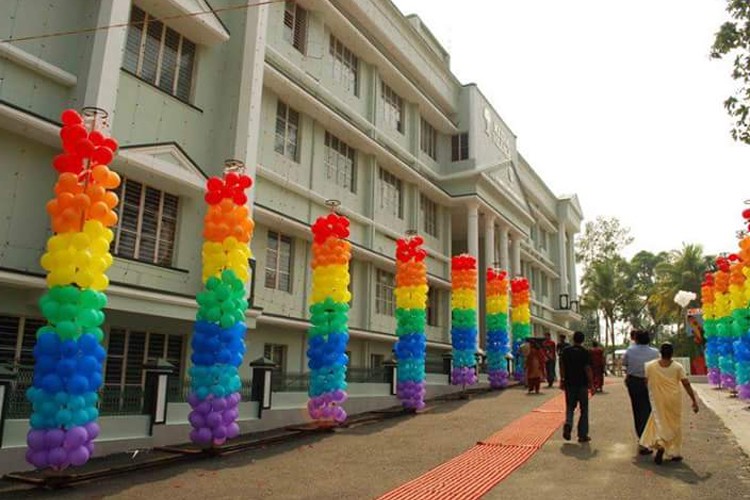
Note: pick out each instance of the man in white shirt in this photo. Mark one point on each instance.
(634, 361)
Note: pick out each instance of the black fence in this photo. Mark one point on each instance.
(178, 390)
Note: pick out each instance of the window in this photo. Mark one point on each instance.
(147, 225)
(287, 131)
(345, 66)
(277, 354)
(376, 360)
(128, 351)
(460, 147)
(391, 194)
(433, 307)
(341, 163)
(385, 302)
(543, 239)
(159, 55)
(393, 108)
(295, 25)
(429, 211)
(428, 139)
(545, 286)
(279, 262)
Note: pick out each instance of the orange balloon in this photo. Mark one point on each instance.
(100, 174)
(81, 201)
(111, 199)
(112, 181)
(99, 211)
(110, 219)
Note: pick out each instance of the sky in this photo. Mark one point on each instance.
(614, 100)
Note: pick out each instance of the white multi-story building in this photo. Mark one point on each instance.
(322, 99)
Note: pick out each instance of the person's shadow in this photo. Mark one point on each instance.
(675, 470)
(580, 451)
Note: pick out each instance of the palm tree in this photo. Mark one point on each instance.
(682, 270)
(605, 290)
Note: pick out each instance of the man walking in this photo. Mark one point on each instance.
(634, 360)
(576, 379)
(550, 355)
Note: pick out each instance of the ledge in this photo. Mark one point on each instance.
(29, 61)
(205, 29)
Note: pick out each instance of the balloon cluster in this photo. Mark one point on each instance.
(328, 334)
(497, 327)
(218, 343)
(520, 320)
(464, 319)
(68, 354)
(724, 329)
(710, 329)
(741, 345)
(411, 316)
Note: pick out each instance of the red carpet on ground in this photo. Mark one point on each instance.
(482, 467)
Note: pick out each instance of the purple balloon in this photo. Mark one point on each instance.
(204, 407)
(193, 400)
(92, 429)
(339, 415)
(203, 435)
(90, 447)
(220, 432)
(196, 419)
(213, 419)
(35, 440)
(233, 430)
(78, 456)
(339, 396)
(38, 459)
(75, 438)
(227, 418)
(54, 438)
(219, 404)
(57, 457)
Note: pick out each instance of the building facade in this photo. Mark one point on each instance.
(322, 99)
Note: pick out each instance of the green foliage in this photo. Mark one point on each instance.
(602, 239)
(733, 39)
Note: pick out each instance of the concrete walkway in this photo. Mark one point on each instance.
(734, 413)
(367, 461)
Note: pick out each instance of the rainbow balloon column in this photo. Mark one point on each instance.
(219, 331)
(742, 343)
(411, 316)
(708, 289)
(497, 327)
(724, 327)
(737, 305)
(464, 319)
(520, 320)
(68, 353)
(328, 334)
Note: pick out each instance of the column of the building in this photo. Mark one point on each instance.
(504, 256)
(489, 240)
(572, 268)
(515, 244)
(562, 258)
(472, 242)
(106, 55)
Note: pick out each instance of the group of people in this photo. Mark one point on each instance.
(540, 362)
(653, 380)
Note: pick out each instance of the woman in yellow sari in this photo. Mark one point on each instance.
(663, 430)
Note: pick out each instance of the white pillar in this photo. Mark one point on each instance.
(563, 258)
(472, 232)
(247, 115)
(106, 56)
(504, 258)
(516, 254)
(572, 268)
(489, 241)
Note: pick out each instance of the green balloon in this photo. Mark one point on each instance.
(67, 330)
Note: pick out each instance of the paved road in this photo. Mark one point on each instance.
(366, 461)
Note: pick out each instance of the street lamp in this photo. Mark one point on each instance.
(564, 301)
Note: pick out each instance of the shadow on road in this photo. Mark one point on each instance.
(673, 470)
(579, 451)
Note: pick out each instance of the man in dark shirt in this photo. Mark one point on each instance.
(576, 379)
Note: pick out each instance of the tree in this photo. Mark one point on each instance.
(605, 290)
(640, 280)
(733, 38)
(603, 238)
(682, 270)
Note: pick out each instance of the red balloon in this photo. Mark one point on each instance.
(232, 179)
(215, 184)
(213, 197)
(71, 117)
(239, 198)
(110, 143)
(60, 163)
(245, 181)
(97, 138)
(84, 147)
(102, 156)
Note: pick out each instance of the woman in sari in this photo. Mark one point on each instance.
(534, 367)
(597, 366)
(663, 430)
